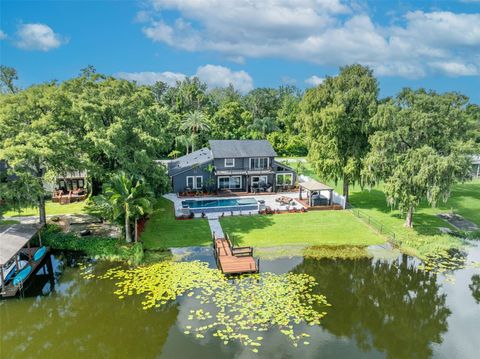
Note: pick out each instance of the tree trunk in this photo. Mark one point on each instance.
(136, 230)
(346, 185)
(41, 210)
(409, 221)
(128, 236)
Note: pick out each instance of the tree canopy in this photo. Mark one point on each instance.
(335, 120)
(421, 146)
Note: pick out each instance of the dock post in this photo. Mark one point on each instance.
(3, 281)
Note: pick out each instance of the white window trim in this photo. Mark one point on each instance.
(194, 182)
(229, 183)
(265, 177)
(233, 162)
(252, 158)
(283, 174)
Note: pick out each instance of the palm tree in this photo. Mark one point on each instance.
(195, 122)
(183, 140)
(128, 199)
(263, 126)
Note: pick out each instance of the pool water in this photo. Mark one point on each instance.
(213, 203)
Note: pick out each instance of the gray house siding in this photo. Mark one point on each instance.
(238, 177)
(219, 164)
(179, 181)
(240, 163)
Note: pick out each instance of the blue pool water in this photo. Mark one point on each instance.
(235, 203)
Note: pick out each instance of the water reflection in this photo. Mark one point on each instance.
(388, 306)
(475, 288)
(82, 317)
(381, 309)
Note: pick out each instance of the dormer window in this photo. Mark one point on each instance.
(229, 162)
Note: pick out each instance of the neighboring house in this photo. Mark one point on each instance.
(476, 166)
(236, 165)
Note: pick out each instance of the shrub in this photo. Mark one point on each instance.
(96, 247)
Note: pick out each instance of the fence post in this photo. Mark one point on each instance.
(381, 228)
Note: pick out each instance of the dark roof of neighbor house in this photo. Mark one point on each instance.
(184, 163)
(241, 148)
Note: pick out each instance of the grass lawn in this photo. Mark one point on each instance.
(164, 231)
(424, 237)
(313, 228)
(51, 209)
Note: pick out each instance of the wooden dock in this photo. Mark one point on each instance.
(233, 261)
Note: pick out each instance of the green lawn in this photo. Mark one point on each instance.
(51, 209)
(164, 231)
(425, 237)
(313, 228)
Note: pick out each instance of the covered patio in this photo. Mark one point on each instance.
(314, 196)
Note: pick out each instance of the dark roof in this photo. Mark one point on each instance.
(241, 148)
(184, 163)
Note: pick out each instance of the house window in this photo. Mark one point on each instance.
(259, 181)
(234, 182)
(190, 182)
(259, 163)
(284, 179)
(195, 182)
(229, 162)
(199, 182)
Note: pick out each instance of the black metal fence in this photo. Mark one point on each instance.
(376, 225)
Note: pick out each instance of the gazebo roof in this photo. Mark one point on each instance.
(315, 186)
(14, 238)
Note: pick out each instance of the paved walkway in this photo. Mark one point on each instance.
(216, 227)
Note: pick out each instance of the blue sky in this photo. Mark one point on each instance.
(431, 44)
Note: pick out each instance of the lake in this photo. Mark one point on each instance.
(381, 308)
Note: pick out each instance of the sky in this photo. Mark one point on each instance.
(248, 43)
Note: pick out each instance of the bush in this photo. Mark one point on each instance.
(96, 247)
(475, 235)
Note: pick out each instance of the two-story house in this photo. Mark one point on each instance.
(236, 165)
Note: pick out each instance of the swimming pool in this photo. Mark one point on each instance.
(217, 205)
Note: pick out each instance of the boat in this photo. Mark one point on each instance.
(22, 275)
(39, 254)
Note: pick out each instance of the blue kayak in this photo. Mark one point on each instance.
(22, 275)
(39, 253)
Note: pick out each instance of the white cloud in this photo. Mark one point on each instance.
(456, 68)
(220, 76)
(3, 35)
(326, 32)
(38, 37)
(149, 78)
(314, 80)
(213, 75)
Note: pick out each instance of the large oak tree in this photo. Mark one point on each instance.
(335, 117)
(421, 146)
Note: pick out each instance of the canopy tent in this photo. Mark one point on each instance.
(313, 188)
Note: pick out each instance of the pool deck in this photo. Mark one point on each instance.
(268, 198)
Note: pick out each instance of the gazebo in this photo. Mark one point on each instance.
(313, 190)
